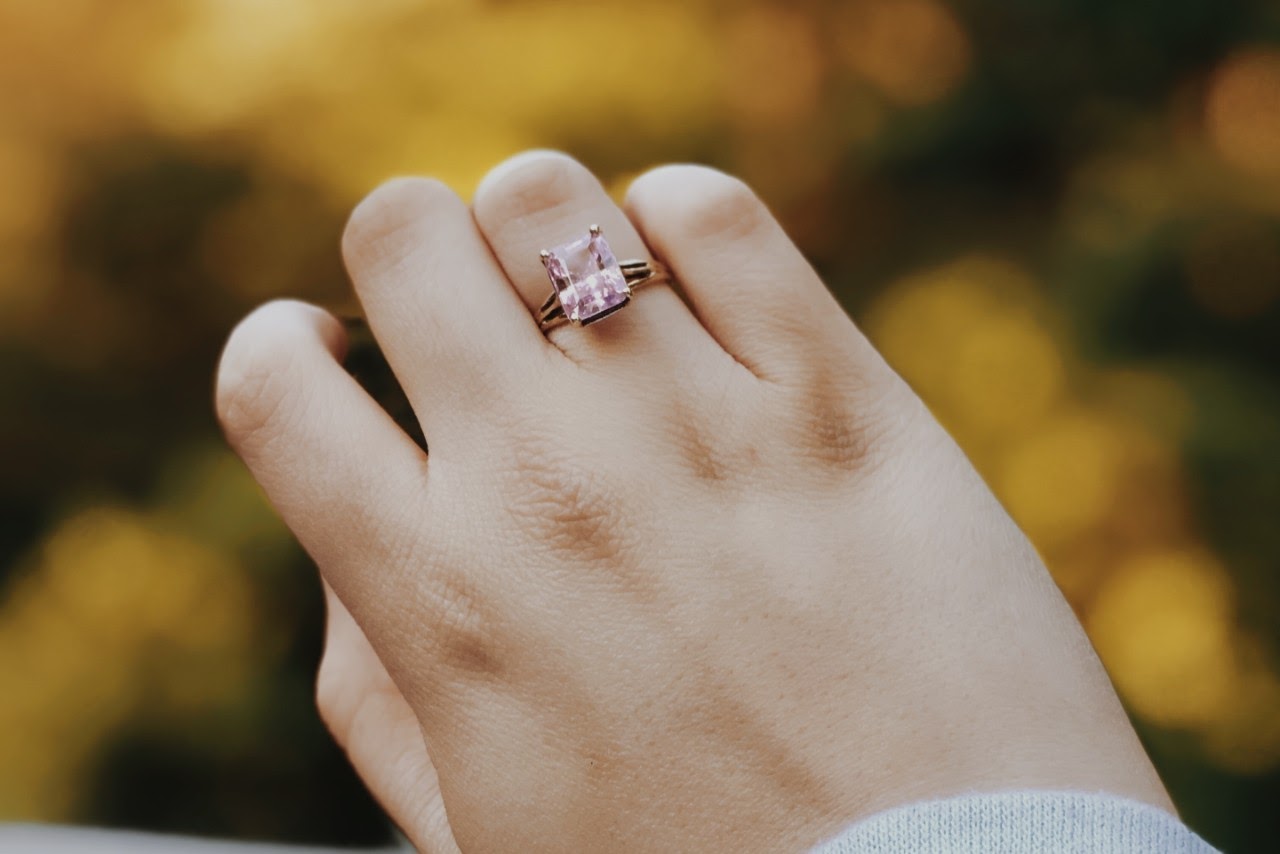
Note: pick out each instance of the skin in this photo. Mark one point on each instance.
(704, 576)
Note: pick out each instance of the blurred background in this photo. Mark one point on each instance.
(1060, 220)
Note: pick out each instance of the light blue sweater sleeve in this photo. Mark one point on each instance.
(1026, 822)
(1009, 823)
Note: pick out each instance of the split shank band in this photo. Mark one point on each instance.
(635, 272)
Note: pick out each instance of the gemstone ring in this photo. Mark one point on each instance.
(588, 283)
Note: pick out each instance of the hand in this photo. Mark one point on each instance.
(368, 715)
(703, 576)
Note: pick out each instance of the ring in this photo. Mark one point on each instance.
(588, 283)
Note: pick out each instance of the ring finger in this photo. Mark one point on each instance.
(540, 200)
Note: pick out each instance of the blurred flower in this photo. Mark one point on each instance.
(968, 336)
(119, 618)
(1162, 624)
(1061, 481)
(936, 307)
(1242, 111)
(1008, 372)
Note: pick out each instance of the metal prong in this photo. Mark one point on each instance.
(595, 231)
(545, 255)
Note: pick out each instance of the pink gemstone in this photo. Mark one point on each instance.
(587, 278)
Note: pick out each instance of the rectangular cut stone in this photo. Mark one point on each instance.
(588, 280)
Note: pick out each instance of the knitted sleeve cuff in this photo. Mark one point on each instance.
(1027, 822)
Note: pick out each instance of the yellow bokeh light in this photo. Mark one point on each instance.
(118, 618)
(105, 564)
(214, 69)
(1007, 374)
(969, 338)
(1242, 111)
(914, 51)
(347, 155)
(932, 308)
(440, 100)
(1062, 480)
(1162, 624)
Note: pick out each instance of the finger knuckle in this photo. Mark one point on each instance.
(563, 503)
(351, 704)
(384, 216)
(715, 453)
(832, 437)
(461, 624)
(331, 690)
(836, 427)
(709, 205)
(253, 386)
(702, 455)
(536, 185)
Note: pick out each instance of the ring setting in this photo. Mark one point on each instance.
(589, 283)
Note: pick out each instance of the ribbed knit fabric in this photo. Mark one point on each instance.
(1020, 823)
(1014, 822)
